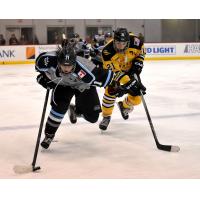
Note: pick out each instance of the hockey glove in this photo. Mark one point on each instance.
(134, 88)
(44, 81)
(137, 66)
(115, 89)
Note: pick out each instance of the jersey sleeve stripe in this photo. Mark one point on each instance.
(109, 77)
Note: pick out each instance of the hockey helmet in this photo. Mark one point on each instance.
(75, 35)
(108, 35)
(67, 56)
(122, 39)
(121, 35)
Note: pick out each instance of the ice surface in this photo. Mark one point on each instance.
(126, 150)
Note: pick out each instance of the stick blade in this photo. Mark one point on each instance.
(22, 169)
(169, 148)
(175, 149)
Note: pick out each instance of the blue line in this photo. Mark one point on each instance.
(22, 127)
(10, 128)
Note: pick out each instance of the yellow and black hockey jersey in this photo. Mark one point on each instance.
(121, 63)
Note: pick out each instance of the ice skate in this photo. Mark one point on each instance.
(47, 141)
(104, 123)
(124, 111)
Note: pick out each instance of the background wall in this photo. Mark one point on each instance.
(179, 30)
(154, 30)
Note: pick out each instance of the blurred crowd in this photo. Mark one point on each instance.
(96, 41)
(14, 41)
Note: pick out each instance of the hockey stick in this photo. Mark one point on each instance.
(19, 169)
(159, 146)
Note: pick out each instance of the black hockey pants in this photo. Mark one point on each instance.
(87, 103)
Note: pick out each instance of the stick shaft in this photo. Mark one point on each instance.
(40, 129)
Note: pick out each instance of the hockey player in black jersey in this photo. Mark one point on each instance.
(69, 75)
(80, 46)
(97, 47)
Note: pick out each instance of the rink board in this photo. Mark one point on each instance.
(154, 51)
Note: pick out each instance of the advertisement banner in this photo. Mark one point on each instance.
(24, 54)
(172, 51)
(46, 48)
(191, 49)
(11, 53)
(154, 51)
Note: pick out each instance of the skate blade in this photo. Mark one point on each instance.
(20, 169)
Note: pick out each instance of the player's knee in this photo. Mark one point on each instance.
(92, 118)
(134, 100)
(59, 107)
(137, 100)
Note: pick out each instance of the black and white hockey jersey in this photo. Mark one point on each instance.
(85, 75)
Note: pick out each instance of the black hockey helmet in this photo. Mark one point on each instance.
(108, 35)
(75, 35)
(67, 56)
(121, 35)
(96, 38)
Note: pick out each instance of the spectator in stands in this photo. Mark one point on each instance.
(2, 40)
(57, 39)
(13, 40)
(88, 39)
(23, 40)
(35, 40)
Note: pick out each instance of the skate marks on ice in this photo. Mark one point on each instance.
(167, 116)
(127, 149)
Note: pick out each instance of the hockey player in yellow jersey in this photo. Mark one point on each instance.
(124, 55)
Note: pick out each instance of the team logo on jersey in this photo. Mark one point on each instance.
(46, 61)
(81, 73)
(136, 41)
(105, 52)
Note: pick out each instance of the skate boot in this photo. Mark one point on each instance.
(72, 113)
(47, 140)
(124, 111)
(104, 123)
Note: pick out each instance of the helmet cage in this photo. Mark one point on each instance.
(121, 35)
(66, 57)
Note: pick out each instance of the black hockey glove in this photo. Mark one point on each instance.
(133, 87)
(94, 52)
(44, 81)
(115, 89)
(136, 67)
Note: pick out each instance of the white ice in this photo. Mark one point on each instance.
(126, 150)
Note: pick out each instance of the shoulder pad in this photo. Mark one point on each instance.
(86, 63)
(108, 51)
(135, 42)
(46, 60)
(84, 71)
